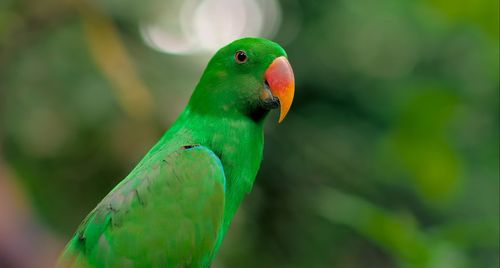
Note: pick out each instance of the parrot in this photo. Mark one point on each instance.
(175, 207)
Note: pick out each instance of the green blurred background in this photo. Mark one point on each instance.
(388, 158)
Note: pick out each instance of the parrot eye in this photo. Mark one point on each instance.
(241, 56)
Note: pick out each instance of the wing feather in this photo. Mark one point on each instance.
(169, 215)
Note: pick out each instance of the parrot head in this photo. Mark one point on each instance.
(248, 77)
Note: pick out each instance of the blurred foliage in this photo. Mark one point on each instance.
(389, 157)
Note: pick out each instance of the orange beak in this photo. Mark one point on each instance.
(279, 76)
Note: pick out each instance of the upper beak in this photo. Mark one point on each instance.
(279, 76)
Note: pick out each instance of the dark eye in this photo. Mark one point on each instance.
(241, 56)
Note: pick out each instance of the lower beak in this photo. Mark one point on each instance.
(279, 76)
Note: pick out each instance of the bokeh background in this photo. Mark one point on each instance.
(388, 158)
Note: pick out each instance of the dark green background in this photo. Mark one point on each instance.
(388, 158)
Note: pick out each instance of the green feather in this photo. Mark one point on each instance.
(175, 207)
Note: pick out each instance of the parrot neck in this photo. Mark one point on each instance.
(237, 141)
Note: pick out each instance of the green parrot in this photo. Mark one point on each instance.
(176, 205)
